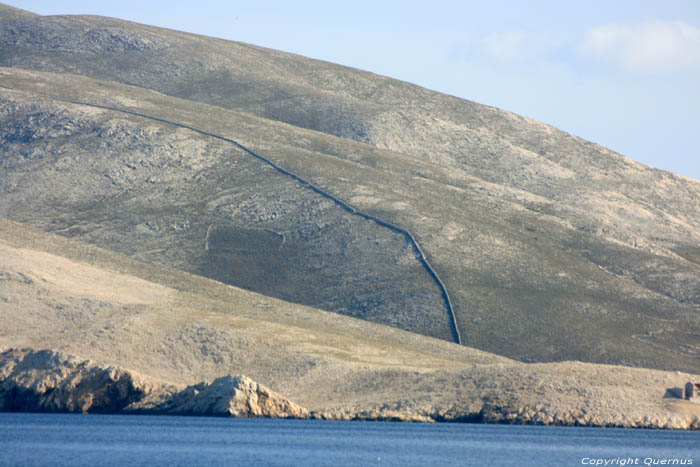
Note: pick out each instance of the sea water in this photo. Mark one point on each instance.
(134, 440)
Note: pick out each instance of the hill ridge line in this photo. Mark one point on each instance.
(422, 258)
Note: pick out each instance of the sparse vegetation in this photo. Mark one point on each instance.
(552, 248)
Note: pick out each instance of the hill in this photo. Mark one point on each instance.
(182, 150)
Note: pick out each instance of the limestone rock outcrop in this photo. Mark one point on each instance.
(48, 381)
(234, 396)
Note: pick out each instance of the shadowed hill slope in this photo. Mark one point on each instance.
(551, 247)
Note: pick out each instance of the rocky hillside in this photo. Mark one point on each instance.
(542, 246)
(133, 337)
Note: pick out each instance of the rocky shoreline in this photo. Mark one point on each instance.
(51, 381)
(519, 416)
(48, 381)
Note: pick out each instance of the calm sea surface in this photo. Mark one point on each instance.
(130, 440)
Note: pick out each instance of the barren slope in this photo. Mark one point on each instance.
(581, 182)
(550, 247)
(523, 283)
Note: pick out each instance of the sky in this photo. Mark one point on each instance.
(625, 74)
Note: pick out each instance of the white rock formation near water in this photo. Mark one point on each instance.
(48, 381)
(234, 396)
